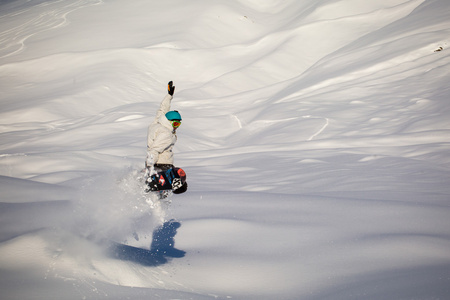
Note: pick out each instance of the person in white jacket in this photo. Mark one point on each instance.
(161, 136)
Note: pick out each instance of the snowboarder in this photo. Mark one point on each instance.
(161, 138)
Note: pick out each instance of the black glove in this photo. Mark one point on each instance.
(170, 88)
(152, 183)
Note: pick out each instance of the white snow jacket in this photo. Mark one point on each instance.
(161, 137)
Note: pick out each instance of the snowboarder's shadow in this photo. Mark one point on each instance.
(161, 249)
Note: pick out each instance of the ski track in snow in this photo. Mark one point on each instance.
(315, 139)
(327, 122)
(39, 18)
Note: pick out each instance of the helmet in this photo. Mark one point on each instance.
(173, 115)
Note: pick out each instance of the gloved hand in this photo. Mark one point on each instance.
(149, 165)
(152, 183)
(170, 88)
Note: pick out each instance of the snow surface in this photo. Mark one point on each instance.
(315, 137)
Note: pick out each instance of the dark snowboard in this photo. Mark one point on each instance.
(172, 179)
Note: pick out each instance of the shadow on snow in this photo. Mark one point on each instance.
(161, 249)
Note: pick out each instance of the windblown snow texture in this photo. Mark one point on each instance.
(315, 135)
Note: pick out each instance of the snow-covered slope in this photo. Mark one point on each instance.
(315, 137)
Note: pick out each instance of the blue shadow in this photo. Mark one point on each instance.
(161, 250)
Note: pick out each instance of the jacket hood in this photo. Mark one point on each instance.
(164, 122)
